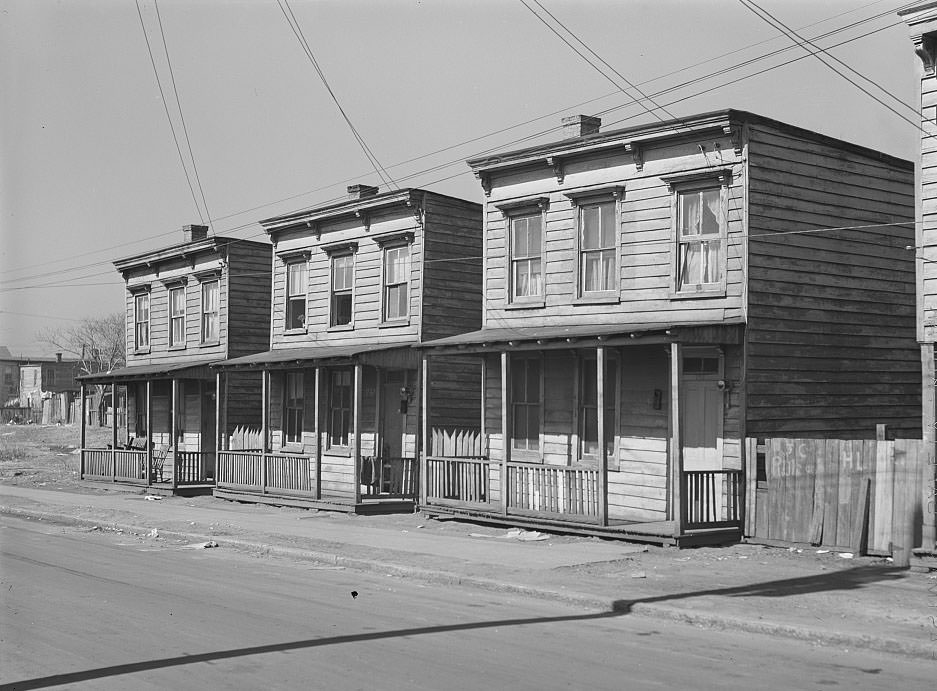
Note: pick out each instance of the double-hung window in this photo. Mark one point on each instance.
(177, 316)
(296, 289)
(340, 402)
(525, 403)
(396, 282)
(293, 408)
(141, 321)
(210, 311)
(699, 227)
(526, 256)
(341, 299)
(589, 407)
(598, 248)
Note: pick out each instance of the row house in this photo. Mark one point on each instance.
(655, 295)
(922, 22)
(356, 285)
(188, 305)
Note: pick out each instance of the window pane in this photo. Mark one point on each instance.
(536, 278)
(519, 382)
(520, 426)
(342, 269)
(341, 309)
(534, 235)
(403, 302)
(519, 237)
(591, 230)
(712, 266)
(689, 213)
(609, 234)
(177, 301)
(709, 217)
(609, 269)
(297, 278)
(533, 427)
(533, 381)
(690, 261)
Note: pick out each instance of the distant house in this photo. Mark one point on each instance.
(655, 295)
(42, 376)
(188, 305)
(9, 377)
(356, 285)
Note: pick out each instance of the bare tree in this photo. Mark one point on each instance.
(96, 342)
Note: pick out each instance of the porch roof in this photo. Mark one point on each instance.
(286, 356)
(725, 331)
(157, 371)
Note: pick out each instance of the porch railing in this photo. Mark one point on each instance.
(461, 480)
(553, 489)
(264, 473)
(98, 463)
(193, 467)
(114, 464)
(711, 499)
(390, 477)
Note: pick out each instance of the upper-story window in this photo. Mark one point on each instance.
(293, 407)
(342, 293)
(396, 282)
(141, 321)
(296, 288)
(598, 248)
(526, 256)
(210, 311)
(177, 316)
(699, 225)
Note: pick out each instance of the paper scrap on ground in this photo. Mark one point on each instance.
(153, 497)
(516, 534)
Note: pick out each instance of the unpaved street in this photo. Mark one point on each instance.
(93, 610)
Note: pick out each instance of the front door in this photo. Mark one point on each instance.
(392, 422)
(702, 394)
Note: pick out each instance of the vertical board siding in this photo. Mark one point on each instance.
(831, 332)
(248, 301)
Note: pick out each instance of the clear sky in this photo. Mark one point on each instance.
(89, 171)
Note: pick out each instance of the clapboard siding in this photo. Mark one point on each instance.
(830, 337)
(248, 298)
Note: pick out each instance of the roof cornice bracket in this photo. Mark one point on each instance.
(734, 133)
(556, 162)
(637, 154)
(485, 180)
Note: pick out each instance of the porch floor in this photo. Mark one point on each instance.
(373, 506)
(655, 532)
(164, 489)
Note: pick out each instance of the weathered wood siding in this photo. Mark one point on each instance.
(646, 241)
(243, 400)
(248, 301)
(831, 345)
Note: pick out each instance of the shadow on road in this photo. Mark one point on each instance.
(849, 579)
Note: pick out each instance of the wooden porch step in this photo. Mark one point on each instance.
(341, 504)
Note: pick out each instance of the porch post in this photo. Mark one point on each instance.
(318, 432)
(114, 430)
(219, 430)
(676, 444)
(81, 452)
(506, 422)
(928, 423)
(482, 431)
(174, 406)
(149, 432)
(603, 450)
(356, 431)
(425, 431)
(264, 413)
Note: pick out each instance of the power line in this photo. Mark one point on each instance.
(185, 130)
(298, 32)
(172, 127)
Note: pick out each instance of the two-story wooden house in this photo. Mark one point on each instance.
(922, 21)
(357, 284)
(655, 295)
(202, 301)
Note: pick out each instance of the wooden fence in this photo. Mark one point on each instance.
(856, 495)
(456, 443)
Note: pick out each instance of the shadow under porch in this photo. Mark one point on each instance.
(338, 432)
(550, 472)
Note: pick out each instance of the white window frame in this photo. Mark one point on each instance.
(203, 313)
(175, 318)
(335, 252)
(513, 211)
(289, 411)
(386, 285)
(611, 358)
(295, 298)
(527, 453)
(141, 326)
(332, 409)
(581, 200)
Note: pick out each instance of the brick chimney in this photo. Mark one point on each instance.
(194, 233)
(361, 191)
(580, 125)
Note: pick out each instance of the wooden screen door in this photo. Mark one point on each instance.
(392, 423)
(701, 408)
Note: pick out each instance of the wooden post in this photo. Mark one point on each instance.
(603, 450)
(482, 429)
(174, 438)
(676, 450)
(356, 431)
(506, 434)
(114, 430)
(318, 432)
(425, 432)
(81, 452)
(264, 427)
(149, 432)
(219, 428)
(928, 425)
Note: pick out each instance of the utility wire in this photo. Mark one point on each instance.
(172, 127)
(185, 130)
(298, 32)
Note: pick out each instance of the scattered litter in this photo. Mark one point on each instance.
(516, 534)
(845, 555)
(419, 526)
(61, 454)
(743, 556)
(94, 527)
(404, 531)
(354, 594)
(639, 574)
(889, 560)
(823, 551)
(208, 545)
(42, 484)
(153, 533)
(17, 472)
(153, 497)
(191, 522)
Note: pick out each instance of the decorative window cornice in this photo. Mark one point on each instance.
(175, 281)
(139, 288)
(207, 275)
(514, 206)
(721, 175)
(402, 237)
(340, 247)
(596, 193)
(294, 255)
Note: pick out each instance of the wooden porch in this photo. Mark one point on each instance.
(386, 484)
(159, 470)
(567, 499)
